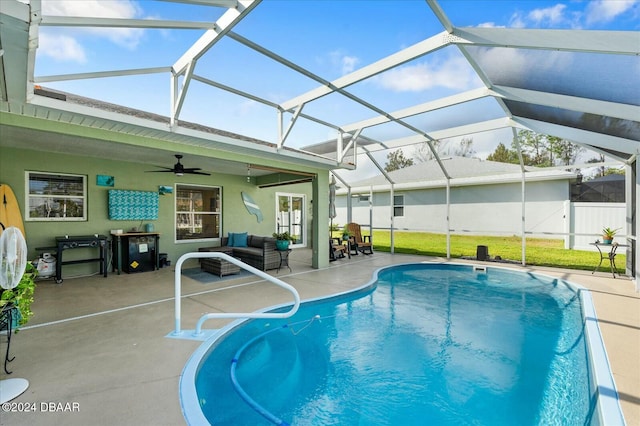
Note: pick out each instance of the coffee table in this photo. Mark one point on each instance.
(219, 266)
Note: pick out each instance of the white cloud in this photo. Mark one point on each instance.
(558, 16)
(343, 62)
(489, 25)
(607, 10)
(549, 16)
(62, 48)
(92, 8)
(517, 21)
(349, 64)
(492, 60)
(453, 73)
(121, 9)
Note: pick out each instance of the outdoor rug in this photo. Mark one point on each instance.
(205, 277)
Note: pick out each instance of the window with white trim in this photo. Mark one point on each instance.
(198, 212)
(398, 205)
(55, 197)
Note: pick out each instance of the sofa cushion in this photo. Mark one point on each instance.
(239, 239)
(256, 241)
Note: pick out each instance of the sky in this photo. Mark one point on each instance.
(329, 38)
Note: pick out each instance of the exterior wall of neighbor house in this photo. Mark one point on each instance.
(476, 209)
(131, 176)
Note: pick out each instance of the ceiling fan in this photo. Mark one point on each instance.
(179, 169)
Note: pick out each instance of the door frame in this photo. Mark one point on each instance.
(303, 218)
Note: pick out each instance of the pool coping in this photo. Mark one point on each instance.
(608, 403)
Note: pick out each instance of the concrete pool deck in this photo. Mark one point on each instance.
(99, 344)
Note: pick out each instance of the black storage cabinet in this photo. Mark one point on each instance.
(139, 254)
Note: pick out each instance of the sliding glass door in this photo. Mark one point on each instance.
(290, 218)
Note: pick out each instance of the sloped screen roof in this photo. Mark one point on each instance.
(321, 75)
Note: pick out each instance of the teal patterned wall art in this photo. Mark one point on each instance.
(104, 180)
(133, 205)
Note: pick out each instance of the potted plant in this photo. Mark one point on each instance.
(20, 298)
(608, 234)
(282, 240)
(346, 233)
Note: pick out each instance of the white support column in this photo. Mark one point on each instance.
(632, 195)
(448, 195)
(524, 221)
(524, 201)
(392, 216)
(635, 225)
(371, 213)
(567, 224)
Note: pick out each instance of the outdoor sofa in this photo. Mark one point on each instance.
(259, 252)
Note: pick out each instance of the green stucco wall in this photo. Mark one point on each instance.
(131, 175)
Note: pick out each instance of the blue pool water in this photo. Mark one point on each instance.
(426, 344)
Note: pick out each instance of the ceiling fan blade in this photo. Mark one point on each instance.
(160, 171)
(179, 169)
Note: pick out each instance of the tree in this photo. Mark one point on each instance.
(545, 150)
(397, 160)
(465, 148)
(502, 154)
(423, 153)
(535, 146)
(602, 170)
(564, 151)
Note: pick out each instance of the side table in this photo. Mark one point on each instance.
(611, 255)
(284, 259)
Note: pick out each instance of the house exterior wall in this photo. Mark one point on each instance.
(131, 176)
(476, 209)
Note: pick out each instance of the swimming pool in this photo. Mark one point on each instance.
(421, 343)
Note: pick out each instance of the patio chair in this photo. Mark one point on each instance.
(336, 249)
(357, 242)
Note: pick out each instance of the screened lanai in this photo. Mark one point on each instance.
(334, 84)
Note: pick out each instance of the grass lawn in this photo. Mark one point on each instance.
(541, 252)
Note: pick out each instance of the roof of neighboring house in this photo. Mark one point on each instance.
(463, 171)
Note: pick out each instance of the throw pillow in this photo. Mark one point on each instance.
(240, 239)
(230, 239)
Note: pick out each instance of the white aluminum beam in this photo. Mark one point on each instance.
(573, 103)
(100, 74)
(611, 42)
(417, 50)
(452, 132)
(34, 41)
(186, 64)
(343, 92)
(76, 21)
(216, 3)
(178, 97)
(224, 24)
(582, 137)
(284, 135)
(445, 102)
(234, 91)
(442, 17)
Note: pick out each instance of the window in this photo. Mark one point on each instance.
(56, 197)
(398, 205)
(198, 213)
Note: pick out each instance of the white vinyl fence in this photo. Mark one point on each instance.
(587, 220)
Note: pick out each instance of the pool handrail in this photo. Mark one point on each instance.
(211, 315)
